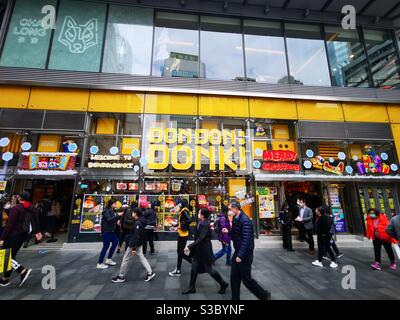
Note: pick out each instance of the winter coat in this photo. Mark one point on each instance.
(17, 218)
(109, 220)
(184, 222)
(393, 229)
(323, 226)
(382, 225)
(151, 218)
(242, 236)
(285, 218)
(127, 220)
(136, 237)
(223, 222)
(201, 249)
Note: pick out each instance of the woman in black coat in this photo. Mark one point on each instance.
(202, 253)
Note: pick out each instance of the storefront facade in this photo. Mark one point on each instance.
(308, 123)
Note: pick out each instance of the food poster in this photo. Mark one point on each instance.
(266, 207)
(93, 206)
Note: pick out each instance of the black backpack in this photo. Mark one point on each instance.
(28, 219)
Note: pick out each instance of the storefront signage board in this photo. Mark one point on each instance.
(111, 161)
(45, 163)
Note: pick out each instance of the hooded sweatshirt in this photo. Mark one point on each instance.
(16, 219)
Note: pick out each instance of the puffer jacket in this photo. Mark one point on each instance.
(151, 218)
(109, 220)
(223, 222)
(382, 225)
(242, 236)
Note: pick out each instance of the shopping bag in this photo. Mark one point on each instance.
(396, 249)
(5, 260)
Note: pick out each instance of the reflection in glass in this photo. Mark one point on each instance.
(308, 63)
(128, 40)
(176, 46)
(265, 52)
(347, 58)
(221, 46)
(383, 59)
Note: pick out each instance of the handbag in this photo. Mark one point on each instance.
(396, 249)
(5, 260)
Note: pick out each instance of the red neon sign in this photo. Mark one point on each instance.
(280, 167)
(280, 155)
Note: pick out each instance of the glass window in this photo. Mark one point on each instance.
(78, 39)
(265, 52)
(308, 63)
(383, 58)
(221, 45)
(27, 43)
(176, 45)
(347, 58)
(128, 40)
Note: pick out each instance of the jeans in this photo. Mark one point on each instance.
(242, 272)
(14, 243)
(128, 257)
(108, 238)
(377, 250)
(208, 268)
(324, 246)
(181, 253)
(148, 237)
(226, 249)
(307, 236)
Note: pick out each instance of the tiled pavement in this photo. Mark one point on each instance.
(287, 275)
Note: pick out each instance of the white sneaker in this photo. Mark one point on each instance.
(102, 266)
(333, 265)
(175, 273)
(317, 264)
(110, 262)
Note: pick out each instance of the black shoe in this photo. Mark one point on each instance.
(152, 252)
(118, 250)
(118, 279)
(150, 276)
(4, 282)
(24, 276)
(189, 291)
(25, 245)
(224, 286)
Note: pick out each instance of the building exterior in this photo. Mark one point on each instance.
(204, 100)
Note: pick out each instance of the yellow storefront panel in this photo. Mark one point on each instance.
(273, 108)
(223, 106)
(171, 104)
(116, 101)
(315, 110)
(49, 143)
(394, 113)
(396, 136)
(129, 145)
(59, 99)
(365, 112)
(14, 97)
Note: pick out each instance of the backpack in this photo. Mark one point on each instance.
(27, 221)
(217, 226)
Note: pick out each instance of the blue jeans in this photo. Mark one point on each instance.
(108, 238)
(226, 248)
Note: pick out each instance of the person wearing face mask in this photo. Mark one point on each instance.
(376, 231)
(306, 226)
(285, 219)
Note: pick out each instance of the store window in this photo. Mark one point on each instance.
(221, 45)
(383, 58)
(265, 52)
(78, 38)
(347, 58)
(308, 63)
(274, 148)
(27, 42)
(176, 45)
(10, 149)
(128, 40)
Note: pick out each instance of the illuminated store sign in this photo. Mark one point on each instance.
(183, 148)
(47, 163)
(111, 161)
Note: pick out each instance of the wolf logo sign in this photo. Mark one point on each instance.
(78, 38)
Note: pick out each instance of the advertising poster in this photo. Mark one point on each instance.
(266, 202)
(338, 218)
(3, 185)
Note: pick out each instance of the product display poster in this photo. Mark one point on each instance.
(338, 218)
(266, 207)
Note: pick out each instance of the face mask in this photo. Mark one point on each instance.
(373, 215)
(231, 213)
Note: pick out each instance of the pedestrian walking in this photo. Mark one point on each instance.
(183, 235)
(221, 223)
(150, 216)
(324, 223)
(22, 220)
(109, 234)
(285, 219)
(306, 226)
(201, 252)
(393, 229)
(136, 240)
(127, 223)
(376, 231)
(242, 235)
(333, 244)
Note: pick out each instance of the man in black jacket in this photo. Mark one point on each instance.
(23, 219)
(243, 242)
(202, 253)
(150, 216)
(136, 244)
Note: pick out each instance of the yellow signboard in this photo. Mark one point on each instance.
(49, 143)
(130, 144)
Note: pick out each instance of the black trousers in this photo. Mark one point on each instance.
(377, 250)
(324, 246)
(181, 253)
(334, 246)
(14, 243)
(287, 237)
(307, 236)
(148, 237)
(242, 272)
(207, 268)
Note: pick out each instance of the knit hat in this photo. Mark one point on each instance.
(25, 196)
